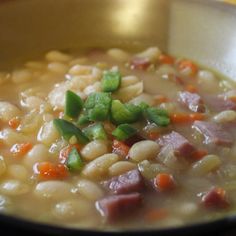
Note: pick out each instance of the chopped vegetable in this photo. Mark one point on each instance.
(14, 122)
(140, 63)
(158, 116)
(153, 135)
(95, 131)
(156, 214)
(120, 148)
(111, 81)
(64, 153)
(83, 120)
(187, 64)
(124, 131)
(73, 104)
(184, 118)
(166, 59)
(124, 113)
(20, 149)
(158, 99)
(190, 88)
(67, 130)
(199, 154)
(49, 171)
(74, 161)
(164, 182)
(97, 106)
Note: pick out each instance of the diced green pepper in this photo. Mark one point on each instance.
(67, 130)
(98, 106)
(111, 81)
(83, 120)
(124, 113)
(95, 131)
(74, 161)
(73, 104)
(158, 116)
(124, 131)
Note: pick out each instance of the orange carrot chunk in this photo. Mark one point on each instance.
(20, 149)
(199, 154)
(158, 99)
(156, 214)
(185, 118)
(49, 171)
(120, 148)
(153, 135)
(14, 122)
(64, 153)
(164, 182)
(187, 64)
(166, 59)
(190, 88)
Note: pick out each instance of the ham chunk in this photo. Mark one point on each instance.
(192, 100)
(213, 133)
(132, 181)
(219, 103)
(178, 143)
(115, 206)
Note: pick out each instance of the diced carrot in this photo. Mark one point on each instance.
(20, 149)
(120, 148)
(158, 99)
(190, 88)
(233, 99)
(140, 63)
(49, 171)
(14, 122)
(156, 214)
(215, 198)
(166, 59)
(185, 118)
(187, 64)
(64, 153)
(153, 135)
(199, 154)
(164, 182)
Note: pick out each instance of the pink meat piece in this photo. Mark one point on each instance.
(193, 101)
(213, 133)
(178, 143)
(219, 103)
(131, 181)
(115, 206)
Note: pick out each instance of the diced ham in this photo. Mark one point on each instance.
(213, 133)
(178, 143)
(192, 100)
(115, 206)
(219, 103)
(215, 198)
(132, 181)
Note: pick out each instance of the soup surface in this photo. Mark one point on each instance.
(114, 140)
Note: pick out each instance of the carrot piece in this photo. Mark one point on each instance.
(199, 154)
(120, 148)
(187, 64)
(158, 99)
(64, 153)
(166, 59)
(184, 118)
(156, 214)
(49, 171)
(190, 88)
(233, 98)
(153, 135)
(20, 149)
(164, 182)
(14, 122)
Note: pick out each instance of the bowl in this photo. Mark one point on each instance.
(202, 30)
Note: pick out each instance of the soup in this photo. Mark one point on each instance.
(115, 140)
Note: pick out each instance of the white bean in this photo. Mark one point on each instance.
(21, 76)
(72, 209)
(33, 102)
(10, 137)
(128, 80)
(118, 54)
(144, 97)
(144, 150)
(207, 80)
(53, 190)
(89, 190)
(3, 166)
(48, 133)
(8, 111)
(13, 187)
(17, 171)
(121, 167)
(151, 53)
(57, 56)
(96, 87)
(98, 168)
(94, 149)
(38, 153)
(225, 116)
(57, 67)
